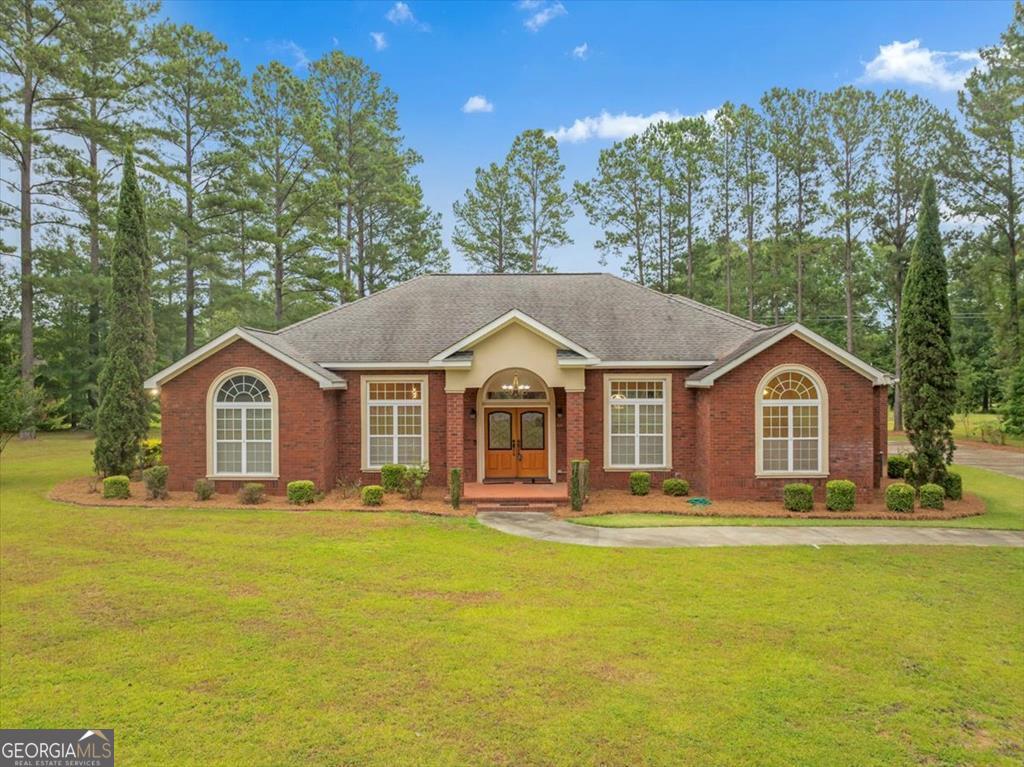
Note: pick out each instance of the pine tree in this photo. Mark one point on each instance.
(123, 417)
(929, 375)
(1012, 409)
(490, 223)
(538, 174)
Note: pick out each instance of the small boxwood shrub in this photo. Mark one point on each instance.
(116, 487)
(392, 475)
(301, 491)
(932, 496)
(798, 496)
(898, 465)
(579, 483)
(251, 493)
(155, 478)
(455, 487)
(953, 485)
(640, 483)
(413, 480)
(372, 495)
(840, 495)
(204, 489)
(899, 496)
(675, 486)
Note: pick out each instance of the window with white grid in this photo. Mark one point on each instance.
(243, 423)
(394, 418)
(791, 424)
(637, 423)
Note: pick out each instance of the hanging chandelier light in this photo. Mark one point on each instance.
(515, 388)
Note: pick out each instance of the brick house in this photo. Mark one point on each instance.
(509, 377)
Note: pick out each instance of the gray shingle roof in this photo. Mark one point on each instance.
(610, 317)
(756, 338)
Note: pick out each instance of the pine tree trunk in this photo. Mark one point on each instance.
(689, 240)
(1013, 290)
(190, 270)
(94, 252)
(27, 298)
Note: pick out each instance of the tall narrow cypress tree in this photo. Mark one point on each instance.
(928, 374)
(123, 417)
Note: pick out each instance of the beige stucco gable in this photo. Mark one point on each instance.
(514, 346)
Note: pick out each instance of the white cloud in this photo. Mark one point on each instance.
(546, 13)
(379, 41)
(910, 63)
(581, 52)
(615, 127)
(529, 5)
(335, 41)
(477, 104)
(400, 13)
(290, 48)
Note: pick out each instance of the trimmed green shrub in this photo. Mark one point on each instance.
(579, 483)
(953, 484)
(204, 489)
(898, 465)
(455, 487)
(301, 491)
(840, 495)
(640, 483)
(151, 453)
(372, 495)
(675, 486)
(798, 496)
(413, 480)
(932, 496)
(116, 487)
(155, 478)
(392, 475)
(251, 493)
(899, 496)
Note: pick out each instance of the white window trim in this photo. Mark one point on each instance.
(364, 407)
(211, 426)
(821, 402)
(666, 381)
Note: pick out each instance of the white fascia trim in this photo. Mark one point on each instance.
(873, 374)
(235, 334)
(373, 365)
(653, 363)
(578, 363)
(507, 319)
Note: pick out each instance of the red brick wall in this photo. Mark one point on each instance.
(306, 421)
(349, 443)
(469, 435)
(683, 435)
(728, 431)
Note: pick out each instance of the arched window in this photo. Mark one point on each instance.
(791, 423)
(243, 422)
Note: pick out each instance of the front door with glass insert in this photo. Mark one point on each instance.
(515, 444)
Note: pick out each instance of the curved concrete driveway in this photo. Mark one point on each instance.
(544, 527)
(1008, 462)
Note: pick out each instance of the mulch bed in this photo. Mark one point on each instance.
(85, 491)
(872, 507)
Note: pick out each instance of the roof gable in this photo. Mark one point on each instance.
(768, 337)
(516, 317)
(260, 340)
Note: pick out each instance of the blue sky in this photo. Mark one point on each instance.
(597, 69)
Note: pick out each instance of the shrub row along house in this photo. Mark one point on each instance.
(510, 377)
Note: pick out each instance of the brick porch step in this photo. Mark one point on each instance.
(477, 493)
(542, 507)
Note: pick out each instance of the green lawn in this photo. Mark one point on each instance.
(263, 638)
(965, 427)
(1004, 499)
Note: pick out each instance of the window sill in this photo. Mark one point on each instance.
(790, 475)
(253, 477)
(636, 468)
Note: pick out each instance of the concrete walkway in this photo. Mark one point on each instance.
(544, 527)
(1009, 462)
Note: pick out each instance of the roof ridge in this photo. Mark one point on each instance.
(334, 309)
(745, 324)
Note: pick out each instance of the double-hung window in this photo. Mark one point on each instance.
(637, 413)
(791, 424)
(395, 422)
(243, 427)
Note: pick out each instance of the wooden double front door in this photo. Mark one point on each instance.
(516, 443)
